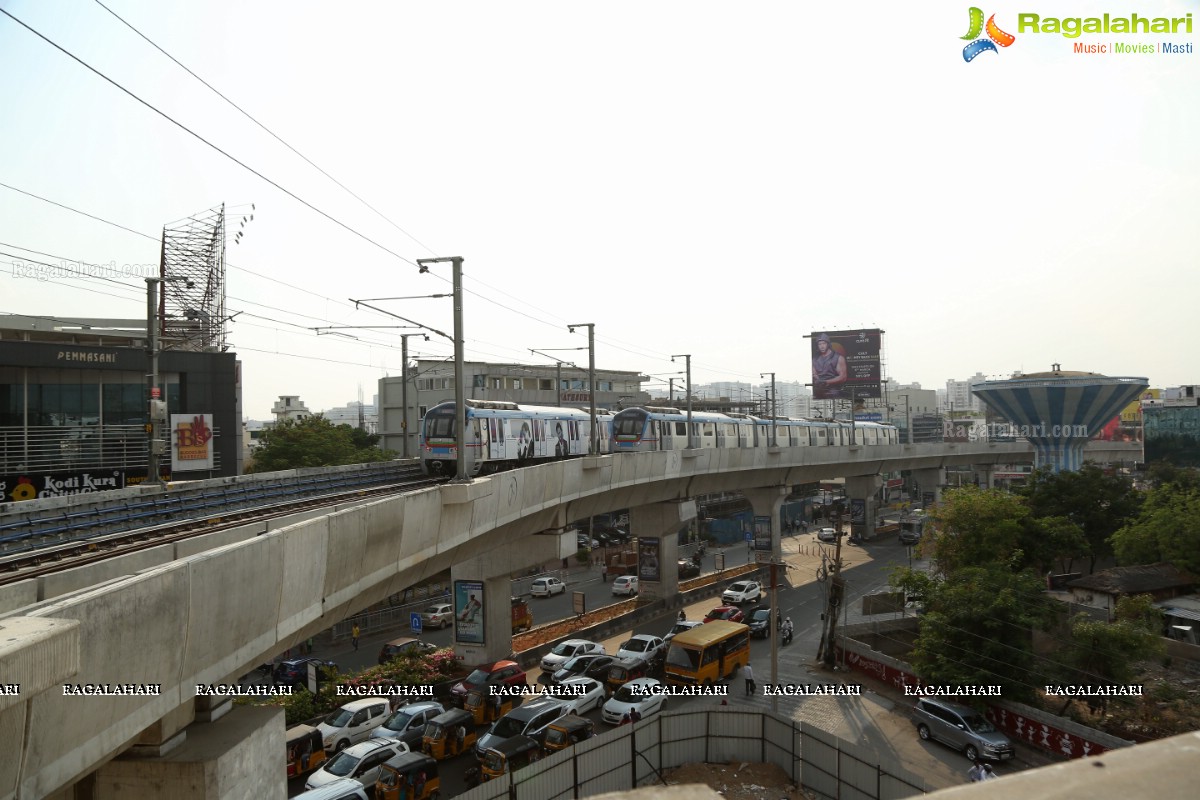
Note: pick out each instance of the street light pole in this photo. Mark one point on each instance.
(671, 391)
(460, 406)
(688, 390)
(156, 407)
(593, 442)
(774, 432)
(404, 389)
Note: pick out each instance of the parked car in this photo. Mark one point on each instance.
(730, 613)
(641, 645)
(688, 568)
(294, 671)
(564, 651)
(909, 536)
(352, 723)
(406, 645)
(827, 535)
(508, 673)
(741, 592)
(760, 622)
(408, 724)
(594, 695)
(544, 587)
(527, 720)
(680, 627)
(630, 696)
(341, 789)
(439, 615)
(962, 728)
(625, 584)
(360, 762)
(590, 666)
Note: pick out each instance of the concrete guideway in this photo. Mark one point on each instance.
(210, 617)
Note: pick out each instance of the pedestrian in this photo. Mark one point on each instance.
(460, 736)
(976, 773)
(310, 645)
(635, 716)
(496, 704)
(988, 773)
(682, 616)
(354, 636)
(748, 674)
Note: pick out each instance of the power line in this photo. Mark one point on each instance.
(200, 138)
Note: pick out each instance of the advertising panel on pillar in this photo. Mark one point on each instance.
(468, 612)
(845, 364)
(858, 518)
(649, 560)
(762, 539)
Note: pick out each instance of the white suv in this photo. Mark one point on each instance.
(741, 592)
(352, 723)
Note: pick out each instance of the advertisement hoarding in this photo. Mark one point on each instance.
(191, 442)
(468, 612)
(845, 364)
(648, 559)
(762, 534)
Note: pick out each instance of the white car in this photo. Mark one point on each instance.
(360, 762)
(544, 587)
(625, 584)
(741, 592)
(641, 645)
(438, 616)
(352, 723)
(628, 697)
(593, 696)
(827, 535)
(565, 651)
(680, 627)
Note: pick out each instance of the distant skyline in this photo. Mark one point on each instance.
(692, 177)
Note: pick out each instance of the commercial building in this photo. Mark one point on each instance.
(74, 406)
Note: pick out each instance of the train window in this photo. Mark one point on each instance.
(440, 427)
(681, 429)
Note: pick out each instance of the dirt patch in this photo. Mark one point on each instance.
(741, 781)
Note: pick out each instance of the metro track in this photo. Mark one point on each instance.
(69, 555)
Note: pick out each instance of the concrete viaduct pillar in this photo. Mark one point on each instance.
(482, 591)
(862, 492)
(768, 502)
(929, 480)
(657, 529)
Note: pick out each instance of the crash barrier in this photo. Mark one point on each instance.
(633, 756)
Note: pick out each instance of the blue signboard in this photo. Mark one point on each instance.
(414, 622)
(868, 417)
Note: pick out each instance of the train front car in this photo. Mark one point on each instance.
(439, 454)
(631, 431)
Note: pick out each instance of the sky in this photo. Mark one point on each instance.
(712, 178)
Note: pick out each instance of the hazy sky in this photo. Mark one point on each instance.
(694, 177)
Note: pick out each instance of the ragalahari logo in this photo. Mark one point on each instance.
(995, 36)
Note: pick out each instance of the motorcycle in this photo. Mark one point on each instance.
(785, 637)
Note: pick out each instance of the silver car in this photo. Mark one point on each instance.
(961, 728)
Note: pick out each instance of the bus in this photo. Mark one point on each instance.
(707, 653)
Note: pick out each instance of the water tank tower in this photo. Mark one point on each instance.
(1059, 411)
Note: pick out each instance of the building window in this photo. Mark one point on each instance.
(422, 410)
(516, 384)
(546, 384)
(497, 383)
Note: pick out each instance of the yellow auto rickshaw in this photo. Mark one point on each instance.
(510, 755)
(483, 707)
(305, 752)
(566, 731)
(442, 734)
(408, 776)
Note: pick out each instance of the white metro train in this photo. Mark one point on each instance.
(648, 429)
(502, 435)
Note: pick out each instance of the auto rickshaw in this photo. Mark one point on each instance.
(566, 731)
(510, 755)
(408, 776)
(441, 734)
(305, 752)
(626, 670)
(483, 707)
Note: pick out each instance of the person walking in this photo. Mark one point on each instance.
(988, 773)
(354, 636)
(976, 773)
(748, 674)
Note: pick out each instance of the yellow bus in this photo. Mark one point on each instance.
(707, 653)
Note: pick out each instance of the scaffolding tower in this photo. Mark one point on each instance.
(192, 310)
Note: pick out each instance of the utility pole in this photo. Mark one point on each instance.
(671, 391)
(404, 389)
(156, 409)
(460, 400)
(688, 378)
(836, 586)
(593, 442)
(774, 432)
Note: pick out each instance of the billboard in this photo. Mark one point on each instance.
(648, 559)
(17, 487)
(191, 442)
(468, 612)
(845, 364)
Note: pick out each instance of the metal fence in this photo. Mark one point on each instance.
(635, 755)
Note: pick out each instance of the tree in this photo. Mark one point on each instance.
(976, 628)
(1099, 504)
(315, 442)
(1168, 529)
(976, 527)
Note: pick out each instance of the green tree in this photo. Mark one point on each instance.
(1099, 504)
(315, 442)
(1168, 529)
(976, 628)
(974, 527)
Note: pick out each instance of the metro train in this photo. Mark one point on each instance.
(502, 435)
